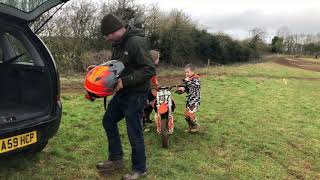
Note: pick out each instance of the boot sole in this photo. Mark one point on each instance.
(141, 176)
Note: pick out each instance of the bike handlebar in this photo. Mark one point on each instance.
(170, 87)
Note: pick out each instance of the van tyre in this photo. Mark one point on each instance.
(37, 148)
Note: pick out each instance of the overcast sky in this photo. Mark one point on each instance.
(236, 17)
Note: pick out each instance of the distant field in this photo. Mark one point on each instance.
(259, 121)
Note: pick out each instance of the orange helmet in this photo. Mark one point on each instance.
(100, 80)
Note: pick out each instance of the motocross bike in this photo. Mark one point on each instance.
(164, 107)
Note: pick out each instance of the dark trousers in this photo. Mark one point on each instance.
(148, 107)
(129, 106)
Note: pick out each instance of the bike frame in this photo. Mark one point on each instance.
(164, 109)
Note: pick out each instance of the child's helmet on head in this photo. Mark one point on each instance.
(100, 81)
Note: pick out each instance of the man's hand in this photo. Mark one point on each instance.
(119, 86)
(90, 67)
(154, 92)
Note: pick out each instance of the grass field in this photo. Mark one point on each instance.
(259, 121)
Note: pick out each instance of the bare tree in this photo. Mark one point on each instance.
(83, 18)
(258, 34)
(128, 10)
(152, 28)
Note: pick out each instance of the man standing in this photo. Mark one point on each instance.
(129, 99)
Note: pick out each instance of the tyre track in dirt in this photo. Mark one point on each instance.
(299, 64)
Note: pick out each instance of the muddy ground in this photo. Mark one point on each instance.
(299, 63)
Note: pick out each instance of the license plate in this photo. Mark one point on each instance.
(18, 141)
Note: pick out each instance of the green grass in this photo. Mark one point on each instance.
(254, 126)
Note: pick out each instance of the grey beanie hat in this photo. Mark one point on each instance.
(110, 23)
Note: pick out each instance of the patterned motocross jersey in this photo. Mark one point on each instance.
(193, 88)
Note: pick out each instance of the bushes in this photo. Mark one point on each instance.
(89, 58)
(74, 36)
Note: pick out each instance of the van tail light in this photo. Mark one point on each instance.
(57, 98)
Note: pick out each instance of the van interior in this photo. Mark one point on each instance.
(25, 88)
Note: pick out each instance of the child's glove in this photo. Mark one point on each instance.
(180, 90)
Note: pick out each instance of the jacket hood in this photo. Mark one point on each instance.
(130, 31)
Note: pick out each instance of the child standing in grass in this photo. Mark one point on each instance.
(153, 91)
(192, 87)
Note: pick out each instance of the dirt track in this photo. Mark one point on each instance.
(77, 86)
(298, 63)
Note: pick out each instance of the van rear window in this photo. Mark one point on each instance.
(19, 50)
(24, 5)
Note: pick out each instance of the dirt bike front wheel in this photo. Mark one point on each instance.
(164, 133)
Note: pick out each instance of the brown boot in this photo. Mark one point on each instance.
(189, 124)
(195, 127)
(110, 165)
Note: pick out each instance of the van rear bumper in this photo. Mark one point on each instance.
(45, 129)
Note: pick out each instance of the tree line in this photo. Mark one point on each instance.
(74, 38)
(296, 44)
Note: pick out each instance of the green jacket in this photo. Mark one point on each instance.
(132, 50)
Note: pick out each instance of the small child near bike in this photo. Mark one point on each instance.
(191, 86)
(153, 91)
